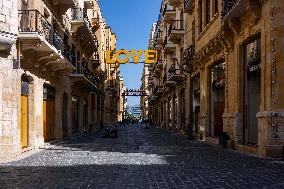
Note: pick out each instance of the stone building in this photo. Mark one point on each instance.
(167, 80)
(218, 77)
(112, 86)
(122, 103)
(144, 103)
(52, 71)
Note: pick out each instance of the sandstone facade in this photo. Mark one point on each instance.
(53, 72)
(218, 78)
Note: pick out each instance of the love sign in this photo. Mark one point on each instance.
(123, 56)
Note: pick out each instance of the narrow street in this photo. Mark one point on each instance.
(162, 159)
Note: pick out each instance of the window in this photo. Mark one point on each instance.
(207, 11)
(253, 57)
(200, 16)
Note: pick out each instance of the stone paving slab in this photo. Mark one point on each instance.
(140, 158)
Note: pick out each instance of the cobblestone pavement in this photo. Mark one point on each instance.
(140, 158)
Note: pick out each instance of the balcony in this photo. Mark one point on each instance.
(175, 74)
(188, 5)
(169, 13)
(237, 8)
(76, 18)
(176, 31)
(160, 64)
(95, 20)
(69, 55)
(151, 83)
(37, 35)
(157, 71)
(83, 79)
(160, 39)
(188, 56)
(61, 2)
(158, 90)
(86, 36)
(169, 84)
(169, 47)
(61, 5)
(175, 3)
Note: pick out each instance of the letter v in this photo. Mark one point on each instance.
(134, 57)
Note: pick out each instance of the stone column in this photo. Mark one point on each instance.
(271, 117)
(36, 138)
(204, 103)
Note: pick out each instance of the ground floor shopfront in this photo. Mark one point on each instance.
(232, 95)
(37, 109)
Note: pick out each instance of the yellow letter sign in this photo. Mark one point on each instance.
(150, 56)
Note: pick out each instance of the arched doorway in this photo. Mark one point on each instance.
(217, 99)
(25, 91)
(48, 112)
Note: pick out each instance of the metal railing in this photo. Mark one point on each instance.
(157, 89)
(173, 71)
(159, 34)
(77, 14)
(85, 13)
(67, 52)
(165, 41)
(32, 21)
(188, 54)
(227, 6)
(87, 72)
(176, 25)
(57, 41)
(187, 3)
(168, 8)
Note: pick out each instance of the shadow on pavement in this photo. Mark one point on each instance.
(162, 160)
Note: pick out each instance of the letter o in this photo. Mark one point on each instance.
(120, 52)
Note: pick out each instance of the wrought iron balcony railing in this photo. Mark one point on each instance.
(67, 52)
(227, 6)
(176, 25)
(77, 14)
(173, 71)
(157, 89)
(165, 41)
(57, 41)
(88, 73)
(188, 54)
(168, 8)
(85, 13)
(187, 4)
(31, 21)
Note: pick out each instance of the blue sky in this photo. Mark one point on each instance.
(131, 20)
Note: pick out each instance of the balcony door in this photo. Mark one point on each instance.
(252, 83)
(25, 92)
(48, 112)
(217, 99)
